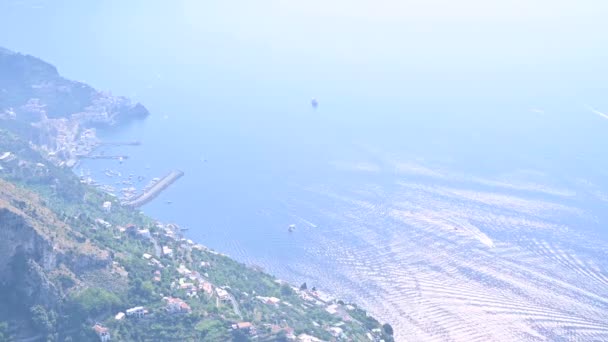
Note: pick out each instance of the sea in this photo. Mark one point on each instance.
(453, 179)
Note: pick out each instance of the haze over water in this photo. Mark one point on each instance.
(453, 179)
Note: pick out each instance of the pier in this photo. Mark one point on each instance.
(120, 143)
(155, 190)
(103, 156)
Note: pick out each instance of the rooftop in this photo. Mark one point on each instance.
(100, 329)
(242, 325)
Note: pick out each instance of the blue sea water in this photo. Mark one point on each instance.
(437, 125)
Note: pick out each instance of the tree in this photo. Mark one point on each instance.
(94, 301)
(142, 289)
(387, 333)
(387, 329)
(239, 336)
(4, 332)
(286, 290)
(281, 336)
(44, 321)
(212, 330)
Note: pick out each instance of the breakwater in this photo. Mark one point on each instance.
(151, 193)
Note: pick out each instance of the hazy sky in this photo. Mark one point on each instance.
(380, 37)
(458, 62)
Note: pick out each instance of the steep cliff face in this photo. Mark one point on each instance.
(18, 239)
(34, 245)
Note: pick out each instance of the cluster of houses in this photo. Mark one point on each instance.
(191, 282)
(249, 328)
(11, 161)
(172, 306)
(194, 284)
(176, 305)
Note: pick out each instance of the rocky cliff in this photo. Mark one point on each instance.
(35, 246)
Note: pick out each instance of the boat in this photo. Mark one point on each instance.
(314, 103)
(291, 228)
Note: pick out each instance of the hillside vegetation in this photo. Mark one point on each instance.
(77, 266)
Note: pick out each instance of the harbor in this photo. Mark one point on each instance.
(154, 189)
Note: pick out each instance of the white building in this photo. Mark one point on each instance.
(307, 338)
(332, 309)
(136, 312)
(222, 294)
(107, 206)
(336, 331)
(144, 234)
(183, 270)
(103, 223)
(167, 251)
(5, 156)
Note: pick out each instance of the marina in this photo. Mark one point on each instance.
(154, 189)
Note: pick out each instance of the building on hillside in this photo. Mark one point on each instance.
(103, 223)
(222, 294)
(332, 309)
(183, 270)
(102, 332)
(336, 331)
(246, 327)
(307, 338)
(176, 305)
(187, 286)
(144, 234)
(136, 312)
(119, 316)
(207, 288)
(168, 252)
(131, 228)
(269, 300)
(107, 206)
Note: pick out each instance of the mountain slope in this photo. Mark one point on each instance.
(74, 262)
